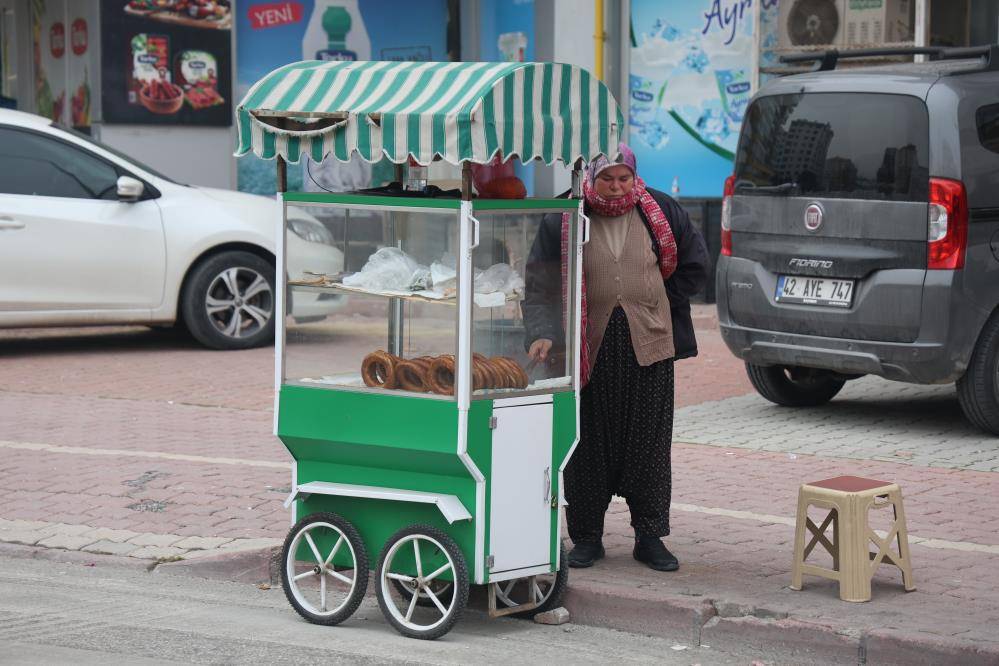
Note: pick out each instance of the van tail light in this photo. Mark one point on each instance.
(947, 234)
(726, 216)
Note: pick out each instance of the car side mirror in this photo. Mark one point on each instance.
(130, 189)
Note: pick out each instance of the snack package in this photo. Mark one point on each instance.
(149, 62)
(196, 72)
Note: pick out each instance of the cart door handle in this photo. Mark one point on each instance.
(585, 238)
(548, 485)
(10, 223)
(475, 232)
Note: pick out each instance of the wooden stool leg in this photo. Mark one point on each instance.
(838, 546)
(905, 562)
(854, 554)
(799, 541)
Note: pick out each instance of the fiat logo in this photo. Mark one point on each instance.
(813, 217)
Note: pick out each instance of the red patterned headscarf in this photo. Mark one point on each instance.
(639, 196)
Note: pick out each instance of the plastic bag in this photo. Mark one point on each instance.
(443, 275)
(499, 277)
(390, 269)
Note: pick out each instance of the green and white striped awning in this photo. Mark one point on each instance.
(460, 111)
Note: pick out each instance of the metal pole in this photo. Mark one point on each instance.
(282, 175)
(921, 31)
(754, 66)
(598, 39)
(466, 181)
(577, 179)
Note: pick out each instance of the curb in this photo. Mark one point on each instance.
(716, 623)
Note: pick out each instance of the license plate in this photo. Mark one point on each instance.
(828, 292)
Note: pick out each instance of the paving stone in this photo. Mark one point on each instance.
(118, 536)
(157, 553)
(67, 541)
(201, 543)
(236, 546)
(23, 537)
(74, 530)
(155, 540)
(107, 547)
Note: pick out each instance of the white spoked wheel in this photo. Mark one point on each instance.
(422, 563)
(325, 572)
(438, 587)
(548, 589)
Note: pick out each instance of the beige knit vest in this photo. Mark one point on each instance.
(631, 280)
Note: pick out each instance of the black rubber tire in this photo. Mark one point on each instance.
(558, 589)
(978, 389)
(794, 387)
(360, 562)
(460, 581)
(194, 295)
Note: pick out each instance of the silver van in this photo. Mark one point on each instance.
(860, 230)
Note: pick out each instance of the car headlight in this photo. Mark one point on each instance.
(314, 232)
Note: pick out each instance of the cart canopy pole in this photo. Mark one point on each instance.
(282, 174)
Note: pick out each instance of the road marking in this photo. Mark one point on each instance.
(161, 455)
(942, 544)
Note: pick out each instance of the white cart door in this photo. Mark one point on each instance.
(521, 519)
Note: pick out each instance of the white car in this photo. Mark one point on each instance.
(90, 236)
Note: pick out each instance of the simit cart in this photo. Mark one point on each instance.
(427, 447)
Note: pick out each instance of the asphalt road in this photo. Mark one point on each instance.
(99, 611)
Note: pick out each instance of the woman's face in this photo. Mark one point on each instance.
(614, 182)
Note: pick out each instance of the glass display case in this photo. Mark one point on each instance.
(399, 296)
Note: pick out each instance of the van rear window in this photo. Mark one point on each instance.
(835, 145)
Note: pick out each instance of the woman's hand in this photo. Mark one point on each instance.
(539, 349)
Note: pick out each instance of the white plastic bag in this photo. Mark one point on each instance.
(390, 269)
(501, 278)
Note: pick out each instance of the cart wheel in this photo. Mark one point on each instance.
(324, 592)
(549, 587)
(438, 587)
(435, 558)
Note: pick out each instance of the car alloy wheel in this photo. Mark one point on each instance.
(239, 302)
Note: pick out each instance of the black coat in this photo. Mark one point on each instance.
(543, 300)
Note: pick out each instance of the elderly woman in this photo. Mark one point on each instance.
(642, 264)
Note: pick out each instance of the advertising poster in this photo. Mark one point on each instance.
(507, 30)
(270, 34)
(48, 47)
(64, 56)
(167, 62)
(690, 84)
(8, 62)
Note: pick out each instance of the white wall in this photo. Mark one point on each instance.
(191, 155)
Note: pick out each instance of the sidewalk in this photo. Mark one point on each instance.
(153, 462)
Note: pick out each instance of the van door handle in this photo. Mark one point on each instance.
(10, 223)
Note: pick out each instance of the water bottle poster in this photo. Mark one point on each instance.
(270, 34)
(689, 85)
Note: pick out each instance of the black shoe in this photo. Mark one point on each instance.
(655, 554)
(585, 553)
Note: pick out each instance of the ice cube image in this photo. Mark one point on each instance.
(654, 135)
(664, 30)
(713, 126)
(695, 60)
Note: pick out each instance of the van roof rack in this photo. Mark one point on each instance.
(826, 61)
